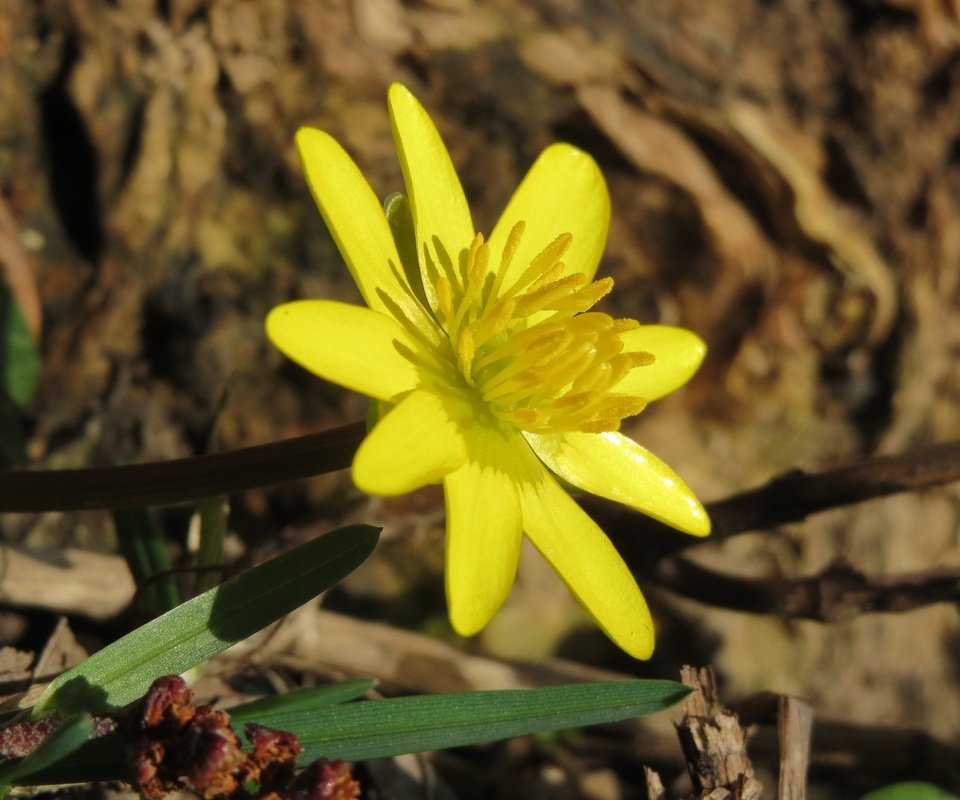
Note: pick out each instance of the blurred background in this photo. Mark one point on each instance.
(785, 181)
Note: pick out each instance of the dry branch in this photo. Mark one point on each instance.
(839, 592)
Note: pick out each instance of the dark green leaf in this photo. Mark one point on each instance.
(304, 700)
(143, 548)
(379, 728)
(19, 356)
(211, 513)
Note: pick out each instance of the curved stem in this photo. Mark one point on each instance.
(181, 479)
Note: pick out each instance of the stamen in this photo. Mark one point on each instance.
(549, 275)
(465, 352)
(585, 298)
(641, 359)
(496, 321)
(477, 258)
(549, 296)
(594, 379)
(537, 371)
(506, 258)
(624, 325)
(544, 259)
(444, 299)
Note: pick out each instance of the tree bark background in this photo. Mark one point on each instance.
(785, 180)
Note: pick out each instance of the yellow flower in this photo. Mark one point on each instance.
(497, 376)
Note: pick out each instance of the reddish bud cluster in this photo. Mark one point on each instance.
(184, 745)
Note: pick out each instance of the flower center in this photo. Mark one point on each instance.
(533, 351)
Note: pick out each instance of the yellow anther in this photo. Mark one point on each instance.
(495, 321)
(591, 323)
(444, 299)
(513, 242)
(584, 298)
(619, 367)
(543, 260)
(477, 259)
(544, 372)
(641, 359)
(548, 276)
(506, 259)
(465, 352)
(624, 325)
(549, 296)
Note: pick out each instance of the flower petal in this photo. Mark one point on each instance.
(483, 532)
(341, 343)
(588, 563)
(358, 225)
(563, 192)
(678, 353)
(611, 465)
(441, 215)
(415, 444)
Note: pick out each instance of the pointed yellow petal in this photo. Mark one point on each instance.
(564, 192)
(483, 532)
(441, 216)
(350, 345)
(415, 444)
(588, 563)
(678, 354)
(357, 222)
(611, 465)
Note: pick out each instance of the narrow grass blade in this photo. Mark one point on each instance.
(380, 728)
(19, 355)
(211, 515)
(301, 700)
(143, 548)
(207, 624)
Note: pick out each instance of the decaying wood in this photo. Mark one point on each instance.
(794, 726)
(714, 743)
(654, 785)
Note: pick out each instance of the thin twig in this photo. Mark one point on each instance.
(839, 592)
(788, 498)
(794, 496)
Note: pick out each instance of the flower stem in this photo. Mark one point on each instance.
(182, 479)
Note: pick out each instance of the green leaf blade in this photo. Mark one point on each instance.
(207, 624)
(380, 728)
(300, 700)
(909, 790)
(143, 548)
(19, 354)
